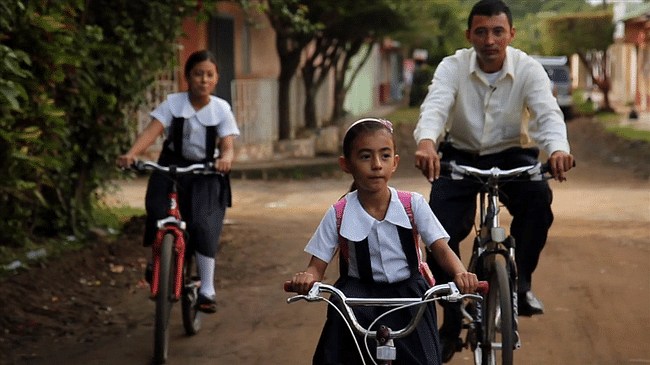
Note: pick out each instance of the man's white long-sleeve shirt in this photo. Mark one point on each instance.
(487, 118)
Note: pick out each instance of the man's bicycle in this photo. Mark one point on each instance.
(386, 351)
(174, 273)
(492, 324)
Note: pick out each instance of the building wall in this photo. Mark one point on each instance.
(637, 39)
(196, 40)
(623, 73)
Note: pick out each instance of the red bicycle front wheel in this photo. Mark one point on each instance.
(164, 300)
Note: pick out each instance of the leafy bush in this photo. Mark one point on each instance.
(71, 72)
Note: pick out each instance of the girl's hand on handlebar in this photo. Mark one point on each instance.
(467, 282)
(223, 165)
(302, 282)
(126, 161)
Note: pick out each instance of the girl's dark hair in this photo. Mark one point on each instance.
(198, 57)
(489, 8)
(364, 126)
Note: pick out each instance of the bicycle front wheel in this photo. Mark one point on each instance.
(498, 335)
(191, 316)
(164, 300)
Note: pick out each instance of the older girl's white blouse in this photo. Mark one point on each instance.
(387, 258)
(217, 113)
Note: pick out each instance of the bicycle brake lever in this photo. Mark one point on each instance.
(454, 296)
(308, 298)
(296, 298)
(472, 296)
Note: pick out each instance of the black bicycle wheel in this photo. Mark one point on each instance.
(164, 300)
(499, 336)
(191, 316)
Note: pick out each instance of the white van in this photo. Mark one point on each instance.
(560, 74)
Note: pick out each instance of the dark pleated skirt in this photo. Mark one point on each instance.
(202, 202)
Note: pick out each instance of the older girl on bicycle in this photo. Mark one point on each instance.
(192, 122)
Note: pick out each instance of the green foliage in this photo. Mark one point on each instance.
(578, 33)
(437, 26)
(630, 133)
(618, 124)
(404, 115)
(71, 71)
(582, 105)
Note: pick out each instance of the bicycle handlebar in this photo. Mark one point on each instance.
(448, 292)
(206, 168)
(535, 172)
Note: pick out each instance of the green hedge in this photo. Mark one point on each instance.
(71, 71)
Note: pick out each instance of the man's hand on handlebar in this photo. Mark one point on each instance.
(560, 162)
(427, 160)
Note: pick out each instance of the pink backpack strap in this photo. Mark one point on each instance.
(339, 207)
(405, 199)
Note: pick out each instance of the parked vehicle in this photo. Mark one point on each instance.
(560, 75)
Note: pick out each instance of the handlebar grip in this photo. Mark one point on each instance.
(445, 167)
(483, 287)
(288, 287)
(546, 167)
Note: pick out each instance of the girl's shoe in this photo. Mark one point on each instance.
(206, 304)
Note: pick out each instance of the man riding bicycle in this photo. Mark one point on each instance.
(488, 101)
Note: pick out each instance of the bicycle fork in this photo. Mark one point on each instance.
(512, 268)
(179, 251)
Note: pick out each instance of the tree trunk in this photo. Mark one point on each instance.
(602, 82)
(311, 121)
(284, 116)
(314, 73)
(289, 51)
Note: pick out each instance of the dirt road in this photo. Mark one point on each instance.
(594, 279)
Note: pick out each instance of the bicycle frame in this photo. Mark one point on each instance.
(169, 250)
(492, 242)
(491, 238)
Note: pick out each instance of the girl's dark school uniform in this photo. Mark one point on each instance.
(191, 138)
(358, 279)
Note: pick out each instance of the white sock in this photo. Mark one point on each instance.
(206, 272)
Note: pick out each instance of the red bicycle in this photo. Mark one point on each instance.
(174, 270)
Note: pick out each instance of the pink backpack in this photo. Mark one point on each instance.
(405, 199)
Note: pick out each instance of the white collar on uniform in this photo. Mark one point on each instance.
(356, 222)
(181, 106)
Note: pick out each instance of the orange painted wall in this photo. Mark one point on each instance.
(195, 40)
(263, 59)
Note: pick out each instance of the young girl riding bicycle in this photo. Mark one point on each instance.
(374, 235)
(192, 122)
